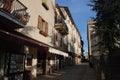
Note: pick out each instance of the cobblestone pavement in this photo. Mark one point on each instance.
(77, 72)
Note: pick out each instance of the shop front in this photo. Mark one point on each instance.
(14, 57)
(12, 60)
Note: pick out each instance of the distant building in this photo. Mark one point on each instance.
(75, 46)
(93, 48)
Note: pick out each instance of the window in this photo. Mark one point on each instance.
(56, 39)
(14, 63)
(42, 26)
(61, 42)
(29, 59)
(56, 36)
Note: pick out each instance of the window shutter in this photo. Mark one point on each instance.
(56, 36)
(46, 28)
(40, 26)
(8, 5)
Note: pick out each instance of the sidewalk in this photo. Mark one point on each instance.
(77, 72)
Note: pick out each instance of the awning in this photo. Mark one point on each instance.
(56, 51)
(16, 37)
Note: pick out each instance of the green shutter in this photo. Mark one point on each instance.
(44, 1)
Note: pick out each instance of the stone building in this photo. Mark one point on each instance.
(37, 37)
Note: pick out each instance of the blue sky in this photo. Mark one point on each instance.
(81, 13)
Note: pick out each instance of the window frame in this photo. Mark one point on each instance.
(41, 27)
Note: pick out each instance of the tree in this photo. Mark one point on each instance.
(107, 21)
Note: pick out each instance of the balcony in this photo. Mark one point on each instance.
(61, 26)
(13, 14)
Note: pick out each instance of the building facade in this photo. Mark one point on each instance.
(40, 28)
(93, 48)
(74, 37)
(36, 38)
(13, 15)
(92, 39)
(98, 53)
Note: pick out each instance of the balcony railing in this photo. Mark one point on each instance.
(61, 26)
(14, 10)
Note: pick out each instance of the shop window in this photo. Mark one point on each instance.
(14, 63)
(29, 59)
(42, 26)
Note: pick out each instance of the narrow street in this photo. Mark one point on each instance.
(77, 72)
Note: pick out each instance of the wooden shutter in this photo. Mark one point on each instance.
(40, 26)
(46, 31)
(56, 35)
(8, 5)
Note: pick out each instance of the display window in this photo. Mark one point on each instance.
(14, 63)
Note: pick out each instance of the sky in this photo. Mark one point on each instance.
(81, 13)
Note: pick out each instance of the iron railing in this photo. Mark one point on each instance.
(15, 9)
(61, 25)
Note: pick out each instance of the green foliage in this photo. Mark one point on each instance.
(108, 19)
